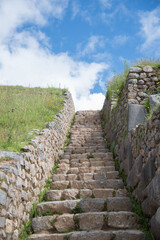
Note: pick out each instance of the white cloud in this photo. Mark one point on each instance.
(91, 102)
(120, 40)
(79, 10)
(16, 12)
(92, 45)
(75, 9)
(150, 30)
(105, 3)
(119, 11)
(102, 56)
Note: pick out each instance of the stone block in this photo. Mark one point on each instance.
(154, 100)
(127, 157)
(64, 223)
(122, 220)
(3, 197)
(133, 75)
(89, 221)
(136, 115)
(155, 224)
(92, 205)
(85, 193)
(152, 202)
(119, 204)
(147, 69)
(9, 226)
(135, 173)
(43, 224)
(135, 69)
(149, 170)
(2, 222)
(70, 194)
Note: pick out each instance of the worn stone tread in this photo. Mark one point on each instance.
(92, 235)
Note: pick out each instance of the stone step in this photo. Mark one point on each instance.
(72, 194)
(89, 184)
(70, 148)
(85, 221)
(92, 235)
(76, 170)
(85, 150)
(85, 205)
(105, 156)
(85, 176)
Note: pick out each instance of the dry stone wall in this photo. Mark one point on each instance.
(22, 175)
(137, 148)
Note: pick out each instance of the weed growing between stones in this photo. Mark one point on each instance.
(76, 221)
(45, 213)
(68, 136)
(55, 167)
(149, 111)
(106, 219)
(26, 230)
(53, 220)
(76, 209)
(66, 237)
(3, 159)
(90, 156)
(113, 236)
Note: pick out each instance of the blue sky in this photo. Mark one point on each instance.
(77, 44)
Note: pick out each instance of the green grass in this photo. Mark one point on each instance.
(23, 109)
(115, 86)
(149, 111)
(154, 63)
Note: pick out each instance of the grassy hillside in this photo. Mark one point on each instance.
(23, 109)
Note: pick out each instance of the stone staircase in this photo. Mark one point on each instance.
(88, 200)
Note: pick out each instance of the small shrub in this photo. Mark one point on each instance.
(76, 209)
(90, 156)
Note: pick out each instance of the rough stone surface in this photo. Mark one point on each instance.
(155, 223)
(122, 220)
(3, 198)
(154, 100)
(2, 222)
(119, 204)
(89, 221)
(43, 223)
(136, 115)
(92, 205)
(148, 69)
(64, 223)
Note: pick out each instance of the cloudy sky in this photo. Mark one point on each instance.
(76, 44)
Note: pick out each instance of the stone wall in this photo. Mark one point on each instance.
(136, 141)
(23, 175)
